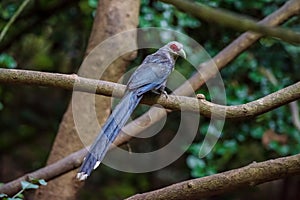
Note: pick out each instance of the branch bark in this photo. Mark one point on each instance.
(224, 57)
(243, 42)
(206, 108)
(251, 175)
(233, 20)
(295, 114)
(66, 81)
(112, 17)
(49, 172)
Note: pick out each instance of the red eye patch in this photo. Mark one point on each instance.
(174, 47)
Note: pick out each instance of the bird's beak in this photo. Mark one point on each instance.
(182, 53)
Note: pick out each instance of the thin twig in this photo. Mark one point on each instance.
(233, 20)
(29, 21)
(12, 19)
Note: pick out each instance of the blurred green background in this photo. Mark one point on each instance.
(52, 36)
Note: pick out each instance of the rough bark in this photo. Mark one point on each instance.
(172, 102)
(112, 17)
(225, 56)
(251, 175)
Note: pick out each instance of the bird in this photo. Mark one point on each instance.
(150, 76)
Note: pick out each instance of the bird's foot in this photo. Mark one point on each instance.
(160, 92)
(165, 93)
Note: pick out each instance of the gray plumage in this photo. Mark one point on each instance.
(151, 75)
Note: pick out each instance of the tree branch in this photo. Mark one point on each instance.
(233, 20)
(295, 114)
(49, 172)
(240, 44)
(225, 56)
(244, 111)
(251, 175)
(289, 9)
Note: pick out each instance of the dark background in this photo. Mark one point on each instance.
(52, 36)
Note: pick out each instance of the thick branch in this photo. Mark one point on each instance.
(48, 173)
(233, 20)
(63, 81)
(240, 44)
(250, 175)
(111, 17)
(205, 108)
(224, 57)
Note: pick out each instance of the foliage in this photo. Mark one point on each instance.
(33, 184)
(7, 9)
(254, 74)
(30, 115)
(7, 61)
(159, 14)
(55, 43)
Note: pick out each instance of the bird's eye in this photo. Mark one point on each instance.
(174, 47)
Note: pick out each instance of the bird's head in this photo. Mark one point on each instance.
(175, 48)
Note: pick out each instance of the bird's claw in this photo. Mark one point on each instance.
(160, 92)
(164, 93)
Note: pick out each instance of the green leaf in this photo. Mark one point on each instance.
(27, 185)
(3, 195)
(7, 61)
(21, 196)
(194, 162)
(1, 106)
(257, 132)
(284, 150)
(42, 182)
(93, 3)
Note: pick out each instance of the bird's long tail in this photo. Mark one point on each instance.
(109, 132)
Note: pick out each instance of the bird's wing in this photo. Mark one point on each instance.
(149, 76)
